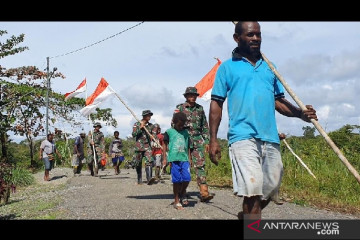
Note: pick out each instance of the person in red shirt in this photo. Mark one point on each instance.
(156, 150)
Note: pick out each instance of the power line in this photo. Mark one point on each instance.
(61, 55)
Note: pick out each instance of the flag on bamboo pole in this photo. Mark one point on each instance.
(204, 86)
(101, 93)
(80, 89)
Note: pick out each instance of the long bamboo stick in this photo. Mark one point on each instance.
(298, 158)
(132, 113)
(313, 121)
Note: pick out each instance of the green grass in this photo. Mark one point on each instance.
(33, 202)
(22, 177)
(335, 187)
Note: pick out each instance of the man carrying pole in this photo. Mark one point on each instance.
(141, 133)
(96, 148)
(253, 92)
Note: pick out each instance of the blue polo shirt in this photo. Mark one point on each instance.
(251, 92)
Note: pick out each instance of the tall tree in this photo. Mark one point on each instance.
(22, 97)
(309, 132)
(7, 48)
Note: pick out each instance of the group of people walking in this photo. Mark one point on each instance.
(253, 93)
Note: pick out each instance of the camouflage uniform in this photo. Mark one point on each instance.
(99, 144)
(198, 129)
(142, 144)
(143, 149)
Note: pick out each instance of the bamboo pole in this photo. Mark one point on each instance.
(298, 158)
(313, 121)
(132, 113)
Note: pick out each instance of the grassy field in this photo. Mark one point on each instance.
(334, 189)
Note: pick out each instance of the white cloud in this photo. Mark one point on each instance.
(151, 65)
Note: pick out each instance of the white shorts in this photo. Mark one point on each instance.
(257, 168)
(158, 160)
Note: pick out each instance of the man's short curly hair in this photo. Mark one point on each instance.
(179, 116)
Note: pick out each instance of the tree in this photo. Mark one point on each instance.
(104, 115)
(6, 49)
(309, 132)
(21, 102)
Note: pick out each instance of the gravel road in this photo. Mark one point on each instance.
(112, 196)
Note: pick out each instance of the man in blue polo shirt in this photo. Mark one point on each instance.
(253, 92)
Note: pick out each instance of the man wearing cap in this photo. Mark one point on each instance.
(97, 142)
(78, 153)
(198, 129)
(143, 147)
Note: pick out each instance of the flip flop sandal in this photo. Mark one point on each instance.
(178, 206)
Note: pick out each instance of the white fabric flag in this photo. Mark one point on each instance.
(204, 86)
(80, 89)
(102, 92)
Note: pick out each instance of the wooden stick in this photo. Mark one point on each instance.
(298, 158)
(151, 136)
(93, 146)
(314, 122)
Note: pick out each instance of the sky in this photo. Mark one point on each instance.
(151, 65)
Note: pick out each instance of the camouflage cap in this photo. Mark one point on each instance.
(191, 90)
(97, 124)
(147, 112)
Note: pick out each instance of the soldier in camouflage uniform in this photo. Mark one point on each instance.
(99, 144)
(143, 147)
(198, 129)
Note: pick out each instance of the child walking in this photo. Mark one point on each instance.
(176, 141)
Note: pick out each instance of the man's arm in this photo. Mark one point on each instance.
(76, 146)
(41, 153)
(214, 122)
(205, 131)
(137, 129)
(57, 152)
(102, 144)
(164, 145)
(285, 108)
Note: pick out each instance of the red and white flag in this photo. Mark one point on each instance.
(102, 92)
(80, 89)
(204, 86)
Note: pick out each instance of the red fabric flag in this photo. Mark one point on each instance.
(101, 93)
(204, 86)
(80, 89)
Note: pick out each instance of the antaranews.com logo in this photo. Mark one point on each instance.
(279, 229)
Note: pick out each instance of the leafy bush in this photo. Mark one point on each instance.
(22, 177)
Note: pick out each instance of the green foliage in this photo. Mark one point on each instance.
(22, 177)
(335, 186)
(309, 132)
(6, 170)
(65, 151)
(104, 115)
(8, 48)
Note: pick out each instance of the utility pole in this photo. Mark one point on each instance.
(47, 96)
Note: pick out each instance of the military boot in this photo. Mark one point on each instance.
(149, 178)
(90, 167)
(204, 193)
(79, 168)
(139, 174)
